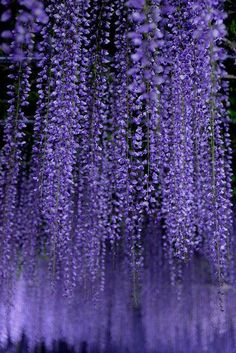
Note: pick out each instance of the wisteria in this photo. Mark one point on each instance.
(29, 20)
(116, 152)
(127, 133)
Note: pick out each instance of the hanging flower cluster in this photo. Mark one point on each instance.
(194, 133)
(130, 130)
(30, 16)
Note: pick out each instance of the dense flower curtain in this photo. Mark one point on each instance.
(127, 131)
